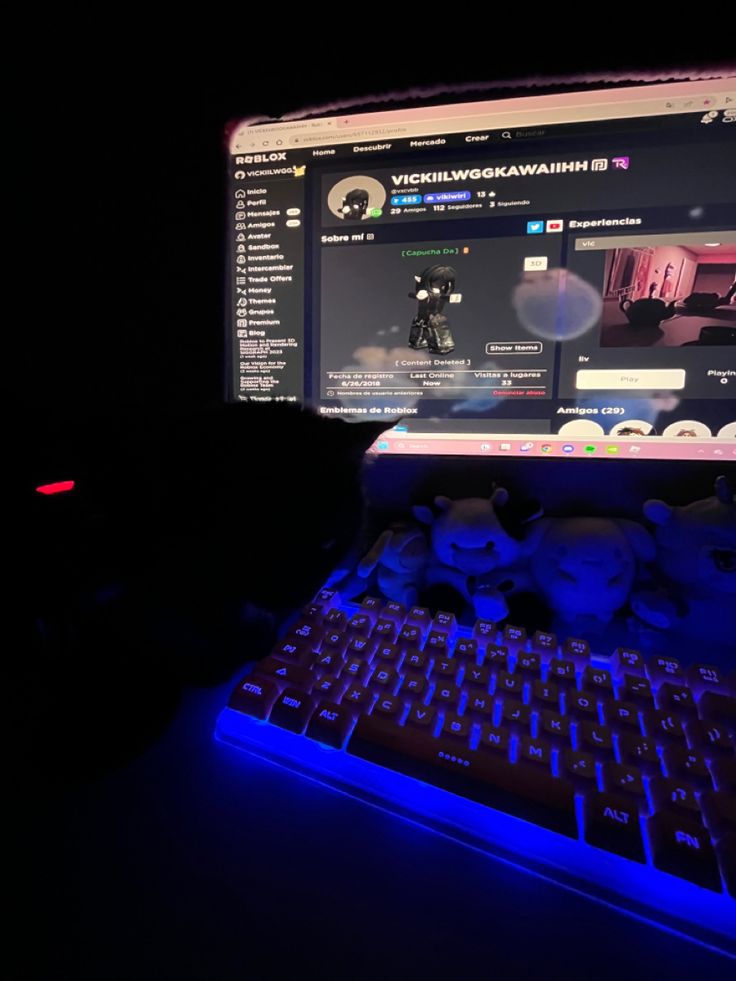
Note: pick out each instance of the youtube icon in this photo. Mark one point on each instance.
(555, 225)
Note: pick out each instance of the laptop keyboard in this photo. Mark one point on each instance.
(614, 774)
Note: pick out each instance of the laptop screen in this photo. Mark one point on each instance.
(547, 275)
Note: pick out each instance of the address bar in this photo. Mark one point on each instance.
(497, 120)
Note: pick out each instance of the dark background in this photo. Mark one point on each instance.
(122, 168)
(191, 863)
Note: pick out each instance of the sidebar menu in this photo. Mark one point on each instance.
(267, 280)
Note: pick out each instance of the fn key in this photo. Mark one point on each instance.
(682, 847)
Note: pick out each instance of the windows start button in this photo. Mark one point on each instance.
(607, 380)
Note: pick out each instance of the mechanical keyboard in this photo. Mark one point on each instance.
(612, 775)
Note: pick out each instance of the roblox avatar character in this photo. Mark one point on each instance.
(430, 329)
(355, 204)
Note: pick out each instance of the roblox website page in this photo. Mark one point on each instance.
(565, 290)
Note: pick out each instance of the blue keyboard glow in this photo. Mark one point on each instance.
(613, 775)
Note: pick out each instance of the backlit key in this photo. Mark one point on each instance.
(495, 739)
(385, 631)
(436, 642)
(310, 633)
(335, 640)
(556, 728)
(718, 707)
(544, 642)
(327, 598)
(371, 606)
(612, 822)
(581, 705)
(529, 665)
(292, 710)
(394, 611)
(638, 690)
(597, 680)
(292, 651)
(496, 657)
(663, 725)
(509, 685)
(626, 660)
(477, 677)
(516, 716)
(682, 847)
(447, 695)
(639, 751)
(358, 696)
(687, 764)
(576, 650)
(255, 696)
(480, 706)
(422, 717)
(706, 677)
(446, 622)
(420, 617)
(335, 620)
(444, 667)
(414, 685)
(674, 795)
(562, 672)
(388, 706)
(545, 694)
(663, 668)
(466, 648)
(579, 767)
(536, 751)
(388, 654)
(363, 647)
(330, 687)
(675, 698)
(330, 723)
(620, 778)
(622, 717)
(484, 632)
(384, 678)
(514, 635)
(359, 623)
(596, 739)
(292, 675)
(456, 726)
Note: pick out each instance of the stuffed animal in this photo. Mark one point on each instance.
(694, 590)
(477, 543)
(585, 568)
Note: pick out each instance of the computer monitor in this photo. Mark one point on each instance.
(548, 275)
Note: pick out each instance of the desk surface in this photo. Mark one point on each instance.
(197, 861)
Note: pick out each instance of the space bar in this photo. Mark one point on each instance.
(478, 775)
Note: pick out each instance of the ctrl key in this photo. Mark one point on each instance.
(254, 696)
(682, 847)
(612, 822)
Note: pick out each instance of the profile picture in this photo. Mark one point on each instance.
(355, 198)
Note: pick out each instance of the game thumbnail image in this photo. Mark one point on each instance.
(670, 296)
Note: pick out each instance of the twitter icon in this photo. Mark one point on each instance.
(534, 227)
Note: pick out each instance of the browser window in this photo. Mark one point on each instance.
(548, 275)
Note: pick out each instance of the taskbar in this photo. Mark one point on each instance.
(611, 448)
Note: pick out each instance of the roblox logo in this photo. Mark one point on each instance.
(257, 158)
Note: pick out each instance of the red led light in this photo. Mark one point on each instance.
(58, 488)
